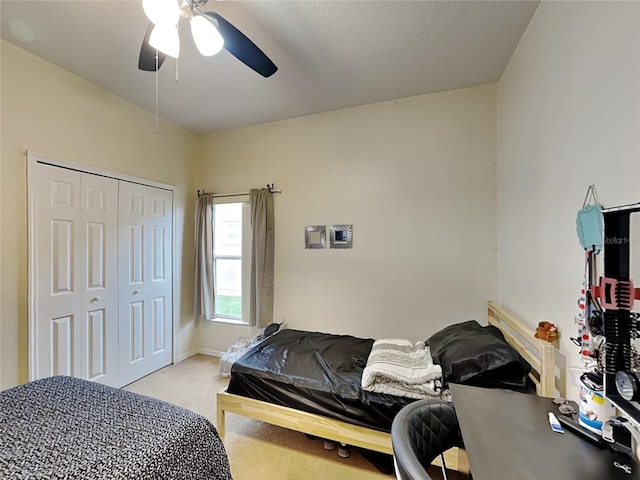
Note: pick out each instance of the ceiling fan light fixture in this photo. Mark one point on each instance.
(162, 12)
(206, 36)
(166, 39)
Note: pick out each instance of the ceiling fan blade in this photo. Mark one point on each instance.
(147, 60)
(238, 45)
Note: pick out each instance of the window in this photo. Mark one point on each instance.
(231, 260)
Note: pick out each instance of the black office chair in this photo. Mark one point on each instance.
(419, 433)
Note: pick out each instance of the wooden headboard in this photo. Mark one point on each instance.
(539, 354)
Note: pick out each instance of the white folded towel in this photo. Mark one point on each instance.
(399, 367)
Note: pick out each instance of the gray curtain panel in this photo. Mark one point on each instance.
(262, 257)
(204, 307)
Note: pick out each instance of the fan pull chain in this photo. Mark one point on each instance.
(178, 57)
(157, 68)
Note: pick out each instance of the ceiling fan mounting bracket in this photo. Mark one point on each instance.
(188, 6)
(198, 3)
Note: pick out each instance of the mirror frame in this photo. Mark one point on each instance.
(347, 243)
(308, 230)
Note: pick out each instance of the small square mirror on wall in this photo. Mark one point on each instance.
(315, 236)
(341, 236)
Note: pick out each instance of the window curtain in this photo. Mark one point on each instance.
(204, 300)
(262, 257)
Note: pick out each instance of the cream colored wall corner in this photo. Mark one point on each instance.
(568, 116)
(416, 178)
(50, 111)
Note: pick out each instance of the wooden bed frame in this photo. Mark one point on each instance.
(538, 353)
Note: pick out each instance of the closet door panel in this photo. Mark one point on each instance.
(61, 348)
(161, 276)
(58, 232)
(97, 344)
(136, 332)
(100, 278)
(158, 321)
(145, 283)
(62, 256)
(76, 275)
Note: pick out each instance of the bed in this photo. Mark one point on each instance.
(64, 427)
(301, 404)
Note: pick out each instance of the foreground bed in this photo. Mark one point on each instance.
(289, 407)
(63, 427)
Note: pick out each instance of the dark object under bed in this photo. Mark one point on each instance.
(316, 373)
(66, 428)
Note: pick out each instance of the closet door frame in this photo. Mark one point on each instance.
(33, 159)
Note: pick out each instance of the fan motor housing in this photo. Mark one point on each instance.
(187, 6)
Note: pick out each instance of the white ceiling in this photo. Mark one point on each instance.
(330, 54)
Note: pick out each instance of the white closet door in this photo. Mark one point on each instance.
(100, 278)
(76, 242)
(145, 280)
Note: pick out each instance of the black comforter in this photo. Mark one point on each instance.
(317, 373)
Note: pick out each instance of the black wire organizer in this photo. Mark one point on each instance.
(617, 295)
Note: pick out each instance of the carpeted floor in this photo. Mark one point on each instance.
(256, 451)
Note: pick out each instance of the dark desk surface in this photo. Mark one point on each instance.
(507, 437)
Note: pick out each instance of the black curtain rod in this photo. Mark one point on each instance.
(270, 187)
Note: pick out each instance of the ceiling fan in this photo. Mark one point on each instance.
(211, 33)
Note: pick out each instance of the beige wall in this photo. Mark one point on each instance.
(416, 178)
(569, 116)
(50, 111)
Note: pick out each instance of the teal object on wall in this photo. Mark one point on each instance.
(590, 227)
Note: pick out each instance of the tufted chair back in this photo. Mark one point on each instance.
(420, 432)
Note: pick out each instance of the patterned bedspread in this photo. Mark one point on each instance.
(66, 428)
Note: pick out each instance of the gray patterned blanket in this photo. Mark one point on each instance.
(66, 428)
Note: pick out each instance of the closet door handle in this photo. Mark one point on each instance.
(135, 292)
(96, 298)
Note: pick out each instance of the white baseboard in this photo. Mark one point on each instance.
(201, 351)
(208, 351)
(184, 356)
